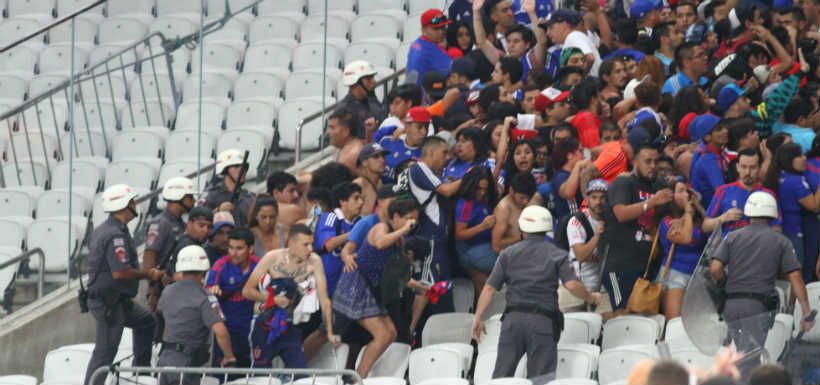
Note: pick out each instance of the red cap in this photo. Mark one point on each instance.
(519, 134)
(417, 115)
(548, 97)
(434, 18)
(683, 126)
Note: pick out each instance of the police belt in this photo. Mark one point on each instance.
(770, 301)
(532, 310)
(182, 348)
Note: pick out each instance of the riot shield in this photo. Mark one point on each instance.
(702, 299)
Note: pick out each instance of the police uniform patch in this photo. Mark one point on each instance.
(119, 242)
(153, 231)
(121, 255)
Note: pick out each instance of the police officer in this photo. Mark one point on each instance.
(178, 194)
(196, 232)
(218, 196)
(114, 276)
(191, 313)
(532, 322)
(755, 256)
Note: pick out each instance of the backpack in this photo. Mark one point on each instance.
(402, 189)
(562, 239)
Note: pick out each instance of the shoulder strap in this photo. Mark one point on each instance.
(668, 260)
(651, 252)
(590, 232)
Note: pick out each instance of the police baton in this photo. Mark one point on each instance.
(241, 180)
(788, 351)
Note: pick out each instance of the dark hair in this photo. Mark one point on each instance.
(607, 126)
(408, 91)
(479, 140)
(648, 94)
(321, 195)
(431, 142)
(487, 96)
(242, 234)
(298, 229)
(500, 110)
(687, 100)
(512, 66)
(626, 31)
(565, 71)
(470, 182)
(452, 35)
(661, 30)
(769, 374)
(684, 51)
(523, 183)
(796, 109)
(750, 152)
(774, 141)
(343, 191)
(739, 128)
(347, 118)
(401, 207)
(582, 95)
(329, 175)
(781, 161)
(749, 49)
(814, 151)
(526, 34)
(509, 166)
(561, 152)
(668, 373)
(608, 66)
(261, 201)
(279, 180)
(539, 77)
(719, 380)
(563, 126)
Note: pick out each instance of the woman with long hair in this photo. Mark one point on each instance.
(474, 224)
(460, 39)
(268, 235)
(680, 232)
(688, 99)
(799, 200)
(520, 159)
(471, 150)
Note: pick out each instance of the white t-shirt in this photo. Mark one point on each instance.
(581, 41)
(588, 272)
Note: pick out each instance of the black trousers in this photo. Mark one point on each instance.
(110, 323)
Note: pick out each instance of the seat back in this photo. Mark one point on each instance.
(66, 364)
(330, 358)
(29, 172)
(14, 235)
(392, 363)
(52, 235)
(447, 327)
(629, 330)
(133, 173)
(272, 28)
(575, 362)
(245, 140)
(55, 204)
(368, 27)
(431, 362)
(137, 145)
(615, 364)
(15, 203)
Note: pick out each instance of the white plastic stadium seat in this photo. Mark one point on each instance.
(115, 53)
(308, 85)
(384, 381)
(255, 381)
(294, 9)
(152, 87)
(85, 176)
(629, 330)
(173, 26)
(232, 34)
(67, 364)
(143, 146)
(52, 235)
(273, 29)
(135, 9)
(259, 86)
(138, 175)
(251, 114)
(85, 33)
(573, 381)
(432, 362)
(492, 332)
(220, 59)
(312, 30)
(813, 335)
(14, 235)
(692, 357)
(393, 8)
(95, 15)
(180, 167)
(444, 381)
(187, 9)
(214, 87)
(85, 144)
(675, 335)
(581, 327)
(15, 29)
(412, 29)
(44, 83)
(290, 115)
(121, 31)
(779, 334)
(42, 10)
(417, 7)
(55, 204)
(269, 57)
(213, 114)
(216, 9)
(12, 89)
(18, 379)
(377, 28)
(375, 53)
(447, 327)
(153, 113)
(509, 381)
(310, 56)
(56, 59)
(392, 363)
(330, 358)
(27, 173)
(243, 140)
(464, 350)
(16, 205)
(615, 364)
(577, 361)
(463, 295)
(484, 366)
(19, 61)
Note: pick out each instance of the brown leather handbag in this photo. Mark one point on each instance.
(646, 296)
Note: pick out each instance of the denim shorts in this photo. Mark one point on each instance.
(480, 257)
(674, 280)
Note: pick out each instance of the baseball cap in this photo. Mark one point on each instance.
(434, 84)
(641, 8)
(434, 18)
(637, 138)
(386, 191)
(369, 150)
(597, 185)
(683, 126)
(417, 115)
(728, 96)
(549, 97)
(200, 212)
(564, 15)
(463, 66)
(222, 219)
(702, 125)
(448, 137)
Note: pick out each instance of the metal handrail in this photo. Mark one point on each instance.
(117, 370)
(319, 114)
(41, 273)
(52, 25)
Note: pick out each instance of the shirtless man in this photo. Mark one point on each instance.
(507, 211)
(299, 262)
(371, 168)
(341, 131)
(284, 188)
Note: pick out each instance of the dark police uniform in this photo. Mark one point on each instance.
(110, 301)
(182, 240)
(218, 193)
(163, 233)
(754, 256)
(532, 322)
(190, 312)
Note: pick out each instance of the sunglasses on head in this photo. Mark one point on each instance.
(438, 19)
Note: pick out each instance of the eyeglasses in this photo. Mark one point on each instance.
(438, 19)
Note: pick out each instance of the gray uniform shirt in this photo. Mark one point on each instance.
(754, 257)
(218, 193)
(162, 234)
(179, 243)
(531, 269)
(111, 250)
(189, 312)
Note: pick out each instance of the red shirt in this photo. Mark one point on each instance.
(587, 125)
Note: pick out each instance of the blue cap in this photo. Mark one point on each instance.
(565, 15)
(702, 125)
(639, 117)
(637, 138)
(778, 5)
(641, 8)
(728, 95)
